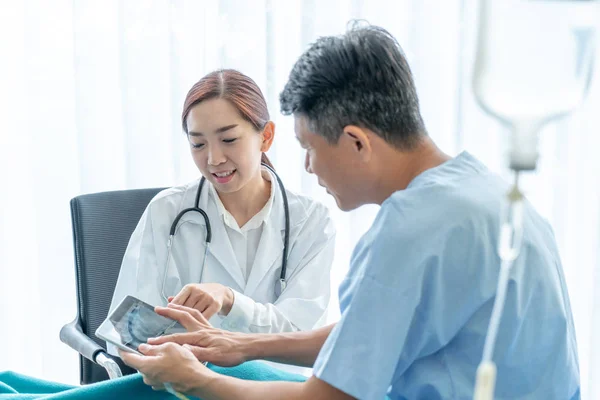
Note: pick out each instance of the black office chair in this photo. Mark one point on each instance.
(102, 226)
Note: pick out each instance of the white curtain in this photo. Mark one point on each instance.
(90, 100)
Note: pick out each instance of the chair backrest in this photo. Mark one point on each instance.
(102, 226)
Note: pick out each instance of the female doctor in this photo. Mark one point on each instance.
(226, 259)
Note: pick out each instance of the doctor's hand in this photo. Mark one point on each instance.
(217, 346)
(208, 298)
(168, 363)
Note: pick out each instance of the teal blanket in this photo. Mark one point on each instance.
(17, 386)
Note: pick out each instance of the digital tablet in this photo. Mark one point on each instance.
(133, 322)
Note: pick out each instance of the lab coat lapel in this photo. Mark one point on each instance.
(270, 250)
(220, 250)
(270, 246)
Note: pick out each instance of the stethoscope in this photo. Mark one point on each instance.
(280, 284)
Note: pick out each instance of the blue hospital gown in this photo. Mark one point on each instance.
(417, 299)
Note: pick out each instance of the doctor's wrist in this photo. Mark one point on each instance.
(228, 299)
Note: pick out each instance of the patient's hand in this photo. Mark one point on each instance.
(168, 363)
(208, 298)
(210, 344)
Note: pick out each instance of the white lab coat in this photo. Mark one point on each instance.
(301, 306)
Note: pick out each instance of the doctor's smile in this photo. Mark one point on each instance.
(223, 177)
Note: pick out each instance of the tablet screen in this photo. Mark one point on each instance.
(133, 322)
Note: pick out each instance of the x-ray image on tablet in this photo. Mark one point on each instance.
(133, 322)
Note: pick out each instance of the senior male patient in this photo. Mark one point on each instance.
(416, 302)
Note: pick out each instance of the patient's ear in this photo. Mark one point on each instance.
(359, 140)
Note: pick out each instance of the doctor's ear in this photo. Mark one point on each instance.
(359, 140)
(268, 134)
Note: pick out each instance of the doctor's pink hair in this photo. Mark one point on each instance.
(239, 90)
